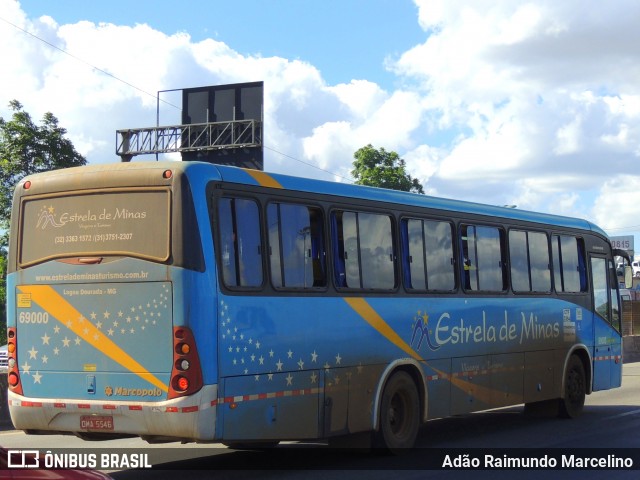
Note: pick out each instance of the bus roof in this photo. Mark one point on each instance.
(208, 172)
(235, 175)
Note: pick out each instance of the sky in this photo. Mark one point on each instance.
(504, 102)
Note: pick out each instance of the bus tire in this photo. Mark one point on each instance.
(575, 389)
(399, 414)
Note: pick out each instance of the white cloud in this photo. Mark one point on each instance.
(360, 96)
(616, 206)
(505, 102)
(539, 100)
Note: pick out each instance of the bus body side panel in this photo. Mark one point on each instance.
(476, 354)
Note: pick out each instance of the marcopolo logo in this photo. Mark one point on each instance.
(132, 392)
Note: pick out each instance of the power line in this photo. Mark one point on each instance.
(350, 180)
(115, 77)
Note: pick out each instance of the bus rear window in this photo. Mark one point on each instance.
(130, 223)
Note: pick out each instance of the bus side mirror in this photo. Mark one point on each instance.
(628, 276)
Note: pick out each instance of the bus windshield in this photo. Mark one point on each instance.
(95, 224)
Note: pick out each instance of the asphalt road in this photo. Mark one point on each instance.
(611, 420)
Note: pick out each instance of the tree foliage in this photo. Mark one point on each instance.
(27, 148)
(3, 296)
(379, 168)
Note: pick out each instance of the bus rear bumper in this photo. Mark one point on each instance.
(190, 418)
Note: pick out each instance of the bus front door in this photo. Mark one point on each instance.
(607, 354)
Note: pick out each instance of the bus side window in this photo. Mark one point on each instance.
(616, 313)
(364, 252)
(529, 259)
(600, 276)
(428, 255)
(296, 246)
(351, 250)
(337, 239)
(240, 245)
(483, 255)
(569, 264)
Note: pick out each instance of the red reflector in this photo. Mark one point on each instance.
(27, 185)
(190, 409)
(172, 410)
(59, 405)
(135, 407)
(84, 405)
(167, 174)
(109, 407)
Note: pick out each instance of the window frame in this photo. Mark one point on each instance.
(338, 260)
(324, 252)
(219, 237)
(503, 263)
(582, 267)
(405, 255)
(527, 232)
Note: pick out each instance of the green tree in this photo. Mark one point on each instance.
(3, 297)
(379, 168)
(27, 148)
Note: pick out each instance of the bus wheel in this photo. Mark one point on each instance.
(575, 389)
(399, 414)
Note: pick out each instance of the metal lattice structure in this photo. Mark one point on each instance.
(188, 138)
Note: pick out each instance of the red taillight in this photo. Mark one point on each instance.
(27, 185)
(13, 379)
(167, 174)
(186, 376)
(182, 383)
(12, 360)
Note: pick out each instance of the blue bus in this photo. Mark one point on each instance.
(195, 302)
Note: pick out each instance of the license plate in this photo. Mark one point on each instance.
(96, 422)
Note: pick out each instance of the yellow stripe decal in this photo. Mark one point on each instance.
(372, 317)
(365, 310)
(53, 303)
(263, 179)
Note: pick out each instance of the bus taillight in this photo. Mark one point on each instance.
(12, 362)
(186, 375)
